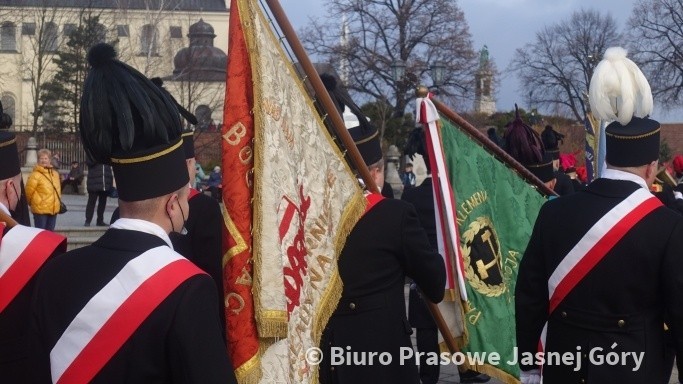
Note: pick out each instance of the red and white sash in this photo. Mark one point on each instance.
(372, 199)
(115, 313)
(193, 193)
(23, 251)
(594, 245)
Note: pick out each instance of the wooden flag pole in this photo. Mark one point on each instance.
(493, 148)
(321, 93)
(340, 129)
(7, 219)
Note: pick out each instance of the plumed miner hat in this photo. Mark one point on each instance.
(9, 156)
(130, 123)
(551, 141)
(619, 91)
(365, 135)
(188, 135)
(525, 145)
(188, 143)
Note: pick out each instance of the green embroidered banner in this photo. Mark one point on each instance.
(496, 210)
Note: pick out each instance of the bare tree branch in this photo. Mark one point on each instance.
(656, 42)
(555, 69)
(381, 32)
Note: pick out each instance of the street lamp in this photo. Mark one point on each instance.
(437, 70)
(398, 69)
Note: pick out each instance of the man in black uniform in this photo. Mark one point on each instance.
(128, 308)
(427, 337)
(526, 146)
(23, 252)
(602, 279)
(20, 213)
(386, 245)
(202, 242)
(551, 141)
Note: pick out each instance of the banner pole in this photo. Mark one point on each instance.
(342, 132)
(7, 219)
(321, 93)
(493, 148)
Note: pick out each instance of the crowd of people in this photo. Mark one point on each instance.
(144, 303)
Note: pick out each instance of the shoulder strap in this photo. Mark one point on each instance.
(53, 187)
(111, 317)
(23, 250)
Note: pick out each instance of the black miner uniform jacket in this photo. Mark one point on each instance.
(202, 243)
(179, 342)
(386, 245)
(422, 198)
(624, 299)
(15, 366)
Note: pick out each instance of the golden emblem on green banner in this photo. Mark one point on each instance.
(482, 258)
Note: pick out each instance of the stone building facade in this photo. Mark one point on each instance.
(148, 35)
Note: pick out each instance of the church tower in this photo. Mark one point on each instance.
(483, 94)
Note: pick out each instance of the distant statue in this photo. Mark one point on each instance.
(484, 56)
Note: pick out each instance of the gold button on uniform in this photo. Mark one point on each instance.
(621, 323)
(563, 314)
(582, 381)
(352, 305)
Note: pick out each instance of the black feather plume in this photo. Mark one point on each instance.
(190, 117)
(122, 110)
(101, 54)
(522, 142)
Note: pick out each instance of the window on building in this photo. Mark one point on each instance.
(148, 40)
(122, 30)
(28, 29)
(9, 105)
(49, 37)
(8, 37)
(68, 29)
(176, 32)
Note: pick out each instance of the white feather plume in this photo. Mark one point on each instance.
(618, 89)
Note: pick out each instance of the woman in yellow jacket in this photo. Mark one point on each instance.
(43, 192)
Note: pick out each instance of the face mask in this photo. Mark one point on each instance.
(183, 229)
(16, 193)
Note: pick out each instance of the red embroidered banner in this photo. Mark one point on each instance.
(238, 163)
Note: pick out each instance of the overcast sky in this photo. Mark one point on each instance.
(503, 25)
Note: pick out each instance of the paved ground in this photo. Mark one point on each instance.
(75, 216)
